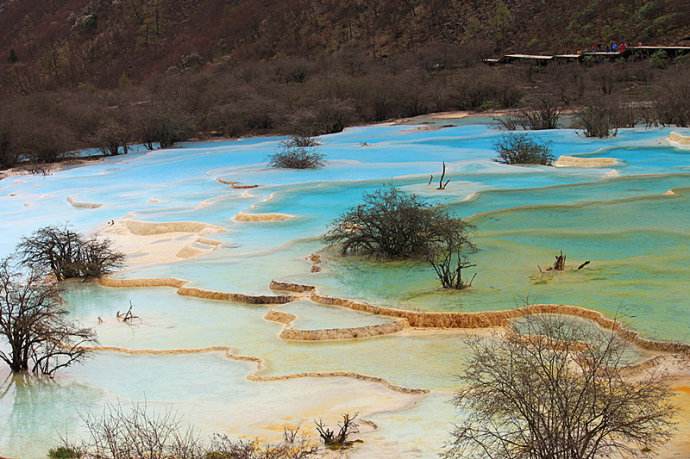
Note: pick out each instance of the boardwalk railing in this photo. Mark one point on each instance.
(641, 52)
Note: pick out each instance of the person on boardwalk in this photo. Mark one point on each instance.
(622, 46)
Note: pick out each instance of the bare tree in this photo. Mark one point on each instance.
(161, 125)
(113, 136)
(671, 103)
(550, 388)
(448, 254)
(66, 254)
(32, 321)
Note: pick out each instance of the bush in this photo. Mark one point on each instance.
(140, 433)
(297, 153)
(659, 59)
(301, 141)
(672, 103)
(544, 114)
(520, 149)
(598, 119)
(64, 452)
(67, 254)
(395, 225)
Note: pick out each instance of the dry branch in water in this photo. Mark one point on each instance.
(346, 428)
(441, 184)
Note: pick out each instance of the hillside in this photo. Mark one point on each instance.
(62, 43)
(111, 73)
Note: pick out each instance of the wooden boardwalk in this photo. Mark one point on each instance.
(635, 52)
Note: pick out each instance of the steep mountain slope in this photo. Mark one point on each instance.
(65, 42)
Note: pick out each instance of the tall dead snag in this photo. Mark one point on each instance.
(441, 184)
(128, 316)
(559, 264)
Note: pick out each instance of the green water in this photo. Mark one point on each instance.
(620, 218)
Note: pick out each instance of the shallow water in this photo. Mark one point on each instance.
(620, 218)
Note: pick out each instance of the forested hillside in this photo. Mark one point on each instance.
(66, 42)
(109, 73)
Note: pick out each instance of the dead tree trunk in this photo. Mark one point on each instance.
(559, 264)
(441, 184)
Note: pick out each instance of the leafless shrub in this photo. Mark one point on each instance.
(66, 254)
(137, 432)
(598, 119)
(552, 388)
(293, 446)
(521, 149)
(389, 224)
(301, 141)
(544, 114)
(298, 153)
(121, 433)
(346, 428)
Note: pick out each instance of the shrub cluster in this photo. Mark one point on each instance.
(599, 119)
(521, 149)
(543, 114)
(137, 432)
(298, 152)
(391, 224)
